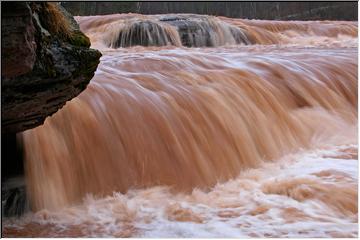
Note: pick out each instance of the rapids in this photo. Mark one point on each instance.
(254, 137)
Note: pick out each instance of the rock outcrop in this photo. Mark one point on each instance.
(46, 61)
(188, 30)
(17, 30)
(204, 31)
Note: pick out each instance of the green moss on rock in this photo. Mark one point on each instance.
(79, 39)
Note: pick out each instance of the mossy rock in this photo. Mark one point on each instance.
(79, 39)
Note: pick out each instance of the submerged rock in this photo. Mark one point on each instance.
(144, 33)
(205, 31)
(14, 201)
(188, 30)
(46, 61)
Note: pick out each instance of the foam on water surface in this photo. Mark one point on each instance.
(247, 206)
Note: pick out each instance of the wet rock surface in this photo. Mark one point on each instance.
(43, 65)
(194, 32)
(14, 201)
(143, 33)
(200, 31)
(191, 31)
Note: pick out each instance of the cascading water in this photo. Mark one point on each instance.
(175, 141)
(177, 30)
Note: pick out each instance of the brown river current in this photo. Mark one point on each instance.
(253, 134)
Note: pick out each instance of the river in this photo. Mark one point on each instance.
(252, 132)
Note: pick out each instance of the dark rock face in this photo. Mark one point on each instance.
(44, 65)
(17, 30)
(192, 33)
(200, 31)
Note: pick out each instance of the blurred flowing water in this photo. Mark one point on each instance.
(250, 132)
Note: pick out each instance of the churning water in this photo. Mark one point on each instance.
(214, 127)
